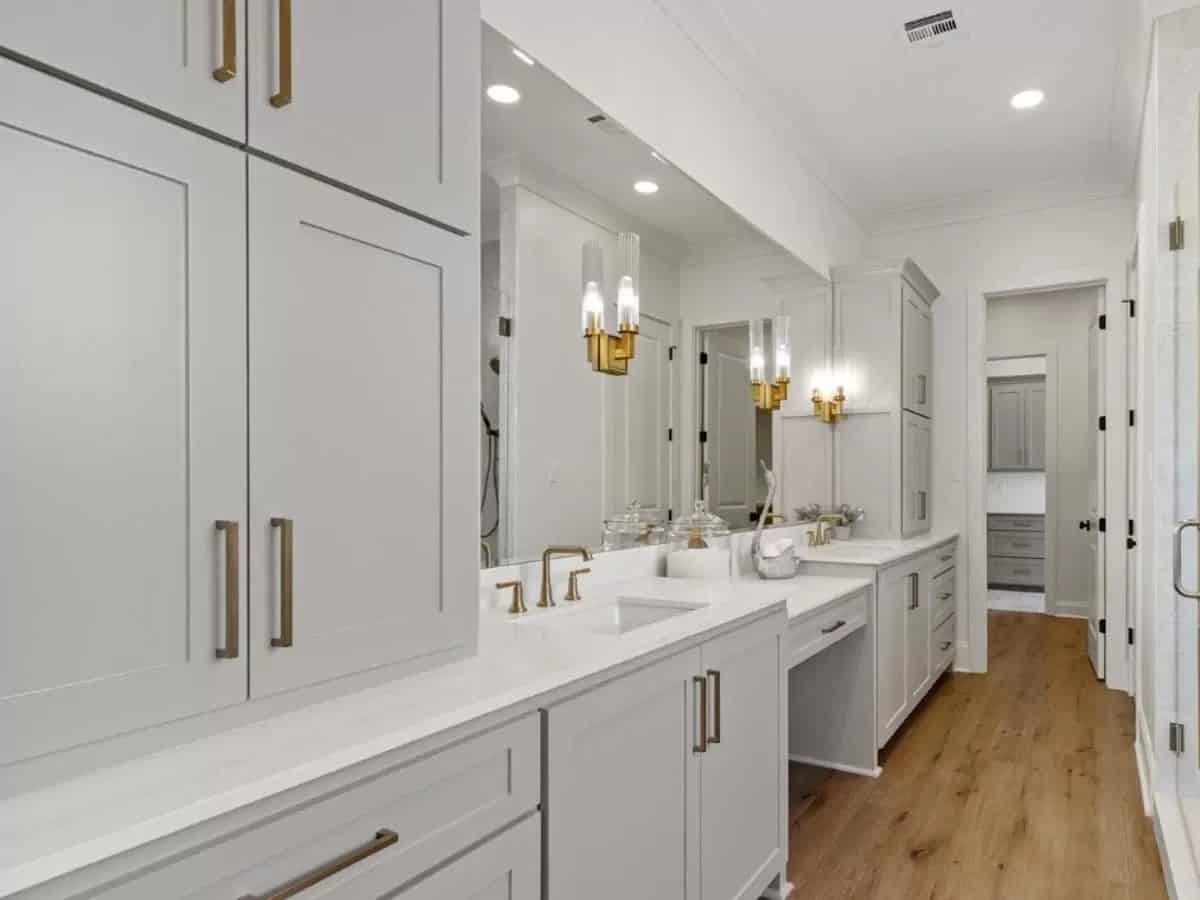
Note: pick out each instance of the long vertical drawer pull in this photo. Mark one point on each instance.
(702, 683)
(715, 737)
(232, 601)
(284, 97)
(286, 573)
(228, 68)
(383, 839)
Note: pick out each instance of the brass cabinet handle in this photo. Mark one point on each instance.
(702, 683)
(228, 68)
(945, 645)
(286, 574)
(284, 97)
(830, 629)
(383, 839)
(715, 675)
(232, 603)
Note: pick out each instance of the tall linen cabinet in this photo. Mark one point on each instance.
(237, 381)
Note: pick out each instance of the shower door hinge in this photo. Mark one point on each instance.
(1175, 737)
(1175, 234)
(505, 326)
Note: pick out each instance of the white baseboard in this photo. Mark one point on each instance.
(1174, 848)
(1016, 601)
(837, 767)
(1144, 756)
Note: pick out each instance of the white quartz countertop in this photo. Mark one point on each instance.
(521, 665)
(872, 552)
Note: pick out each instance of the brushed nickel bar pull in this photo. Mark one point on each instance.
(286, 573)
(284, 97)
(228, 68)
(232, 601)
(702, 683)
(383, 839)
(1177, 559)
(715, 738)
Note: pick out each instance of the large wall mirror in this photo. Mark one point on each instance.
(564, 447)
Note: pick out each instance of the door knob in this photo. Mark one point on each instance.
(1085, 525)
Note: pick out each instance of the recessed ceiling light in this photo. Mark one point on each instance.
(1027, 99)
(503, 93)
(645, 187)
(523, 56)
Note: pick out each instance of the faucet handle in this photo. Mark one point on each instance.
(518, 596)
(573, 584)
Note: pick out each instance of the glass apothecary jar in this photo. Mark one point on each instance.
(636, 527)
(700, 546)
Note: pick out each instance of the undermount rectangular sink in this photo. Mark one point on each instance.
(618, 616)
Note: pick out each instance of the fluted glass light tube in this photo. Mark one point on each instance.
(592, 307)
(629, 286)
(783, 348)
(758, 354)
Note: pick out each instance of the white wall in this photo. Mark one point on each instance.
(967, 259)
(636, 64)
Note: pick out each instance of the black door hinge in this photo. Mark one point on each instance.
(505, 326)
(704, 437)
(670, 434)
(671, 353)
(1103, 524)
(1132, 418)
(1131, 528)
(704, 357)
(1175, 737)
(1129, 636)
(1103, 322)
(1104, 423)
(670, 514)
(1104, 626)
(1132, 307)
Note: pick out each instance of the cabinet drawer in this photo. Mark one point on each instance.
(1005, 522)
(395, 825)
(944, 638)
(1011, 543)
(941, 598)
(810, 636)
(1018, 572)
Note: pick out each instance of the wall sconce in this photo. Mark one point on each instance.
(769, 396)
(828, 406)
(610, 353)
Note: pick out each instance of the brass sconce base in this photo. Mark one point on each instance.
(610, 353)
(828, 411)
(768, 397)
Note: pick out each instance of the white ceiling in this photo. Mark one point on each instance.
(549, 127)
(888, 125)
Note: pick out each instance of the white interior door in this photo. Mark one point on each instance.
(123, 402)
(1095, 572)
(161, 54)
(360, 432)
(647, 398)
(729, 453)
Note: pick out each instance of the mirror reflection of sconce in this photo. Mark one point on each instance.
(769, 395)
(610, 353)
(827, 406)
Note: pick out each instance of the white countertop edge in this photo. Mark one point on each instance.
(510, 704)
(889, 552)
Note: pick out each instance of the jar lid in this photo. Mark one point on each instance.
(634, 520)
(699, 524)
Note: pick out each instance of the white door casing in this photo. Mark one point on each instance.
(1095, 462)
(728, 456)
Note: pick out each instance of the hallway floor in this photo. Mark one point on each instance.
(1017, 784)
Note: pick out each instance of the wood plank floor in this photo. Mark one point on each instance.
(1017, 784)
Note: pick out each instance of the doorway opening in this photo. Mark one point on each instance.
(1045, 460)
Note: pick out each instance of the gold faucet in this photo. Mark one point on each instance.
(822, 536)
(547, 595)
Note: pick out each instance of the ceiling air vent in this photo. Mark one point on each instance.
(607, 125)
(928, 27)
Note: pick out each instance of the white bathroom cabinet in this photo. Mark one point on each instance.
(160, 55)
(649, 796)
(384, 101)
(122, 353)
(883, 353)
(197, 336)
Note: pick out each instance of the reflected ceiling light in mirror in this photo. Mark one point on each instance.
(1027, 99)
(610, 353)
(503, 93)
(523, 56)
(769, 395)
(828, 396)
(645, 187)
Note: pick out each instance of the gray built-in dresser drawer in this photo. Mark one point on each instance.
(1004, 570)
(1006, 522)
(1014, 543)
